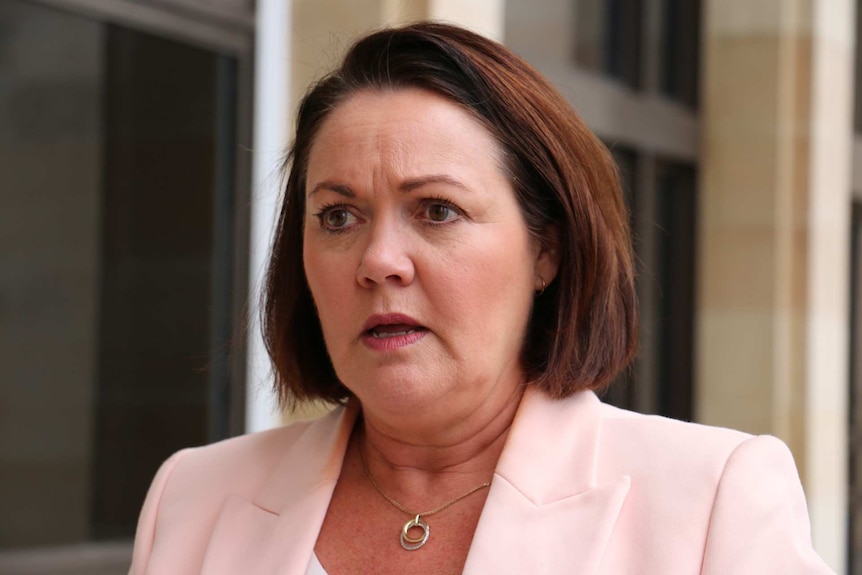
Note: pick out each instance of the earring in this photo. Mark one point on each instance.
(544, 285)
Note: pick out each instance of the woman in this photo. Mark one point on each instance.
(453, 265)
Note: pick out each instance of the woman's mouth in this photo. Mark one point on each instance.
(392, 331)
(384, 331)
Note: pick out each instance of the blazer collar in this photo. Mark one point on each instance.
(550, 452)
(276, 532)
(544, 512)
(551, 449)
(314, 460)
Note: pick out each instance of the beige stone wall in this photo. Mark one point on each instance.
(773, 316)
(323, 29)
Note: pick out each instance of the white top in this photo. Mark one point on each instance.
(314, 566)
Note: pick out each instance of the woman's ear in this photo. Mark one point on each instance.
(547, 258)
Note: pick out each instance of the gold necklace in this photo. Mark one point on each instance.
(409, 542)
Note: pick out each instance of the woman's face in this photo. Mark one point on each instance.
(417, 255)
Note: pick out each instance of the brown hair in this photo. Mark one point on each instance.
(583, 328)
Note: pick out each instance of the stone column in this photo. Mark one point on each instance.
(774, 241)
(323, 29)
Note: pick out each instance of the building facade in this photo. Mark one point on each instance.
(138, 179)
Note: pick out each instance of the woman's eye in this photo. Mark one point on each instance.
(336, 218)
(438, 212)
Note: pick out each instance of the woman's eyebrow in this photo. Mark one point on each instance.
(340, 189)
(407, 185)
(411, 184)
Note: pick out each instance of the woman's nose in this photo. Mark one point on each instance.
(385, 257)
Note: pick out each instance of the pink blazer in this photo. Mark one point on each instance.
(581, 487)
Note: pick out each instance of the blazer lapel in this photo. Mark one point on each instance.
(276, 532)
(544, 512)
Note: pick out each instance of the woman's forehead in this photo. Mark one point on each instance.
(415, 132)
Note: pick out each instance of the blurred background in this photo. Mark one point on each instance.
(139, 143)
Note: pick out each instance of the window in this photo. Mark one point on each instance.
(117, 263)
(661, 197)
(854, 499)
(624, 390)
(680, 51)
(608, 38)
(675, 245)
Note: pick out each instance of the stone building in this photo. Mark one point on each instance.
(139, 144)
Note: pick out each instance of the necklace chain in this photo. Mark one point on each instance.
(446, 505)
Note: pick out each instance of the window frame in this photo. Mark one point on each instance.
(225, 31)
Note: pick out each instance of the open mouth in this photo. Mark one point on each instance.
(393, 330)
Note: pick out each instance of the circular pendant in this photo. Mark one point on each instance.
(412, 543)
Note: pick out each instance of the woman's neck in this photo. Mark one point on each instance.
(461, 451)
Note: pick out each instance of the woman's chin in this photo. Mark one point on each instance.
(399, 392)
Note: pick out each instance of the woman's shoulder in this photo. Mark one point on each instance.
(196, 485)
(239, 464)
(737, 495)
(675, 453)
(665, 432)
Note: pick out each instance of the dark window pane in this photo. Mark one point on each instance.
(680, 50)
(676, 226)
(662, 375)
(50, 166)
(158, 264)
(855, 396)
(608, 38)
(116, 260)
(623, 390)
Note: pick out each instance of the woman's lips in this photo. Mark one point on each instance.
(392, 330)
(380, 320)
(386, 332)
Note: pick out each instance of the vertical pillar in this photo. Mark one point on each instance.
(484, 16)
(827, 314)
(323, 29)
(772, 305)
(271, 85)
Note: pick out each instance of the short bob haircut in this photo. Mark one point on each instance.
(583, 328)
